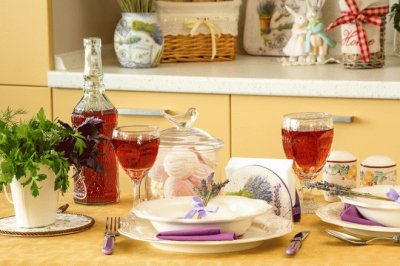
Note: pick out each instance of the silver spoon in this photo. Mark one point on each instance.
(358, 241)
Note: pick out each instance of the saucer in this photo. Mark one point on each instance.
(331, 214)
(264, 227)
(260, 182)
(66, 223)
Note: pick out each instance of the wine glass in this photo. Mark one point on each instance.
(136, 148)
(307, 139)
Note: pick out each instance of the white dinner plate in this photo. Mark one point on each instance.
(331, 214)
(260, 182)
(264, 227)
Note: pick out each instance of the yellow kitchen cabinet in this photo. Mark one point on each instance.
(213, 114)
(30, 99)
(256, 124)
(24, 42)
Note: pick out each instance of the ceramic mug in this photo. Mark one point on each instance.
(340, 168)
(378, 170)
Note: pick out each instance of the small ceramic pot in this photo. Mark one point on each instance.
(341, 169)
(138, 40)
(378, 170)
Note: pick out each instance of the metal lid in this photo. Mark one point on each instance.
(183, 135)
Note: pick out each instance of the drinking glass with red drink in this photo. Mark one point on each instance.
(307, 139)
(136, 148)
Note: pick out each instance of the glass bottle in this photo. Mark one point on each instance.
(93, 188)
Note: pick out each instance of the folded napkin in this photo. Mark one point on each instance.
(351, 214)
(198, 234)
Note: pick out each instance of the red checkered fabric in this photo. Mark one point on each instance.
(372, 15)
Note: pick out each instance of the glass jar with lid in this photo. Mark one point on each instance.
(186, 156)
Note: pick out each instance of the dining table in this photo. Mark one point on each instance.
(85, 248)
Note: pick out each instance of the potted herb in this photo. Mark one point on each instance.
(265, 11)
(395, 16)
(35, 158)
(138, 39)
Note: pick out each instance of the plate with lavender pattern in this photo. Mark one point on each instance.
(260, 182)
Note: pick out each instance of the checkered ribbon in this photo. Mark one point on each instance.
(372, 15)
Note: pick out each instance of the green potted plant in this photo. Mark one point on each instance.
(35, 158)
(138, 39)
(395, 16)
(265, 11)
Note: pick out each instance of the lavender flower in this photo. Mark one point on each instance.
(209, 189)
(259, 188)
(338, 190)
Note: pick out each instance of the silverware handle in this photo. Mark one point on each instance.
(343, 119)
(293, 247)
(145, 112)
(108, 247)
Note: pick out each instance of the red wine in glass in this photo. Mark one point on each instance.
(136, 155)
(308, 149)
(136, 148)
(307, 139)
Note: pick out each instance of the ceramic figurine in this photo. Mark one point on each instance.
(295, 48)
(317, 42)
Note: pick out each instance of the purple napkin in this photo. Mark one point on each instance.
(197, 234)
(351, 214)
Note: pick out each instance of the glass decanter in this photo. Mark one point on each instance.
(93, 188)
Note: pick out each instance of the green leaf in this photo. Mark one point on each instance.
(41, 177)
(34, 189)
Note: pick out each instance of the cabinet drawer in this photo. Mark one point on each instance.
(213, 114)
(256, 124)
(25, 46)
(30, 99)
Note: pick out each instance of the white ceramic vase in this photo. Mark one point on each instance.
(138, 40)
(396, 42)
(35, 211)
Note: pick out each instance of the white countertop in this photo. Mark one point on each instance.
(247, 75)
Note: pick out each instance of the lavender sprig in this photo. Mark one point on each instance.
(209, 189)
(338, 190)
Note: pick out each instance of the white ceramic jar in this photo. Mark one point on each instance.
(341, 169)
(378, 170)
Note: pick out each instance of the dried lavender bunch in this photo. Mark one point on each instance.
(338, 190)
(209, 189)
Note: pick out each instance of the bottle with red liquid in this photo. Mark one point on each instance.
(92, 188)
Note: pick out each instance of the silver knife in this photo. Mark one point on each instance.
(296, 242)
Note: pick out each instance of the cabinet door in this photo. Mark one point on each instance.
(24, 42)
(213, 114)
(30, 99)
(256, 124)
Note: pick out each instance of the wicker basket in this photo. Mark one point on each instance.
(354, 61)
(197, 48)
(181, 46)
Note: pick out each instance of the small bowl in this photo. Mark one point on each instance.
(384, 212)
(235, 214)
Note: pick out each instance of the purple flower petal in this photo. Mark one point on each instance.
(392, 194)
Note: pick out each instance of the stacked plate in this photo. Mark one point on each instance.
(386, 213)
(251, 220)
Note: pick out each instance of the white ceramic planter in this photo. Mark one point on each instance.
(35, 211)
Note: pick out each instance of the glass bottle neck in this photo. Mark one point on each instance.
(93, 70)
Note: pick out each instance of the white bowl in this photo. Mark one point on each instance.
(384, 212)
(235, 214)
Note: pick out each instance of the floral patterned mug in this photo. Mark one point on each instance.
(341, 169)
(378, 170)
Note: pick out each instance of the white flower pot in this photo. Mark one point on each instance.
(35, 211)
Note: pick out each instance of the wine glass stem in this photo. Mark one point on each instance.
(136, 192)
(307, 193)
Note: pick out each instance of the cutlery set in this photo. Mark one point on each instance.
(111, 231)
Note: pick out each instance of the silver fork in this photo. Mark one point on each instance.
(358, 241)
(111, 231)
